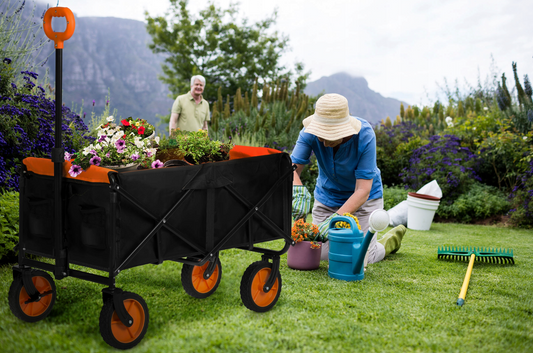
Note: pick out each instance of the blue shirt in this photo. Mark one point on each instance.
(355, 159)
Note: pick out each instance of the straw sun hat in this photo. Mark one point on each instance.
(332, 120)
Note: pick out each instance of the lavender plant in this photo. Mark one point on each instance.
(443, 159)
(395, 144)
(27, 119)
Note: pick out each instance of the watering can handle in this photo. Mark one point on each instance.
(349, 220)
(59, 37)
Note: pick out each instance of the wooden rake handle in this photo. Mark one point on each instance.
(464, 288)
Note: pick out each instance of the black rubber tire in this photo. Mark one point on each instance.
(195, 285)
(252, 294)
(41, 308)
(114, 332)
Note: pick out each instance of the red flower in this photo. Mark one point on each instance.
(125, 122)
(124, 136)
(141, 130)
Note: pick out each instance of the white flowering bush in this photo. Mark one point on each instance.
(117, 145)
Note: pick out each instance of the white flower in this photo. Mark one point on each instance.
(448, 120)
(450, 124)
(156, 139)
(151, 152)
(525, 138)
(87, 149)
(485, 108)
(474, 128)
(110, 118)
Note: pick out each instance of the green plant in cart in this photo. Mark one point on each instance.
(196, 146)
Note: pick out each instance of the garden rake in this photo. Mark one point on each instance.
(481, 254)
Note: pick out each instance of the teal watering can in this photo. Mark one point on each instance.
(348, 247)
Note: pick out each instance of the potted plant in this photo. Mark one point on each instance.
(195, 147)
(121, 147)
(305, 254)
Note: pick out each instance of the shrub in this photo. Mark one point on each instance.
(393, 195)
(310, 175)
(521, 199)
(276, 123)
(394, 148)
(445, 160)
(9, 223)
(479, 202)
(27, 122)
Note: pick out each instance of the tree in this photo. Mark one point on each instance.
(228, 54)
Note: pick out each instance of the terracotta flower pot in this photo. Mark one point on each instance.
(302, 257)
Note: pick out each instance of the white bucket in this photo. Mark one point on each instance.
(420, 212)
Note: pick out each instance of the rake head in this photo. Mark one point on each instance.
(499, 256)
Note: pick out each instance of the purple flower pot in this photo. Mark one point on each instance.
(302, 257)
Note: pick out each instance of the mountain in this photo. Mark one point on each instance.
(108, 58)
(362, 101)
(107, 54)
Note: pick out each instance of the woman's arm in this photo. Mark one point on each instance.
(358, 198)
(297, 173)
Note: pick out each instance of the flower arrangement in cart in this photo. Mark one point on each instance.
(118, 145)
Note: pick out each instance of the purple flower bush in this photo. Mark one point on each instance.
(394, 147)
(27, 123)
(445, 160)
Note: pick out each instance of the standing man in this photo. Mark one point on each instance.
(190, 111)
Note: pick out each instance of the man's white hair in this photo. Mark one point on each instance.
(197, 77)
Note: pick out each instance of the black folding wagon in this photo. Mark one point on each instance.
(113, 221)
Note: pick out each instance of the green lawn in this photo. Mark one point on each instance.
(405, 303)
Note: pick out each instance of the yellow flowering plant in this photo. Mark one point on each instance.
(341, 224)
(302, 231)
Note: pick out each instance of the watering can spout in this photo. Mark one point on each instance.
(359, 252)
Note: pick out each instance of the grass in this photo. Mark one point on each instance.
(406, 303)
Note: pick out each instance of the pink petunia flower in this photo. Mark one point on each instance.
(68, 156)
(95, 161)
(157, 164)
(135, 156)
(120, 144)
(75, 170)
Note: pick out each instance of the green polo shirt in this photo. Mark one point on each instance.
(192, 115)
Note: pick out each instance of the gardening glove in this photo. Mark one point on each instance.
(323, 228)
(301, 202)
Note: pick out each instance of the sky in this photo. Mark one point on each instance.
(406, 49)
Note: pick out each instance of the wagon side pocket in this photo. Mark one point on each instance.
(93, 227)
(41, 218)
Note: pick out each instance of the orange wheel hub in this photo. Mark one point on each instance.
(125, 334)
(258, 294)
(38, 307)
(201, 284)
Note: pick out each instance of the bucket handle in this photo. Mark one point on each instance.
(59, 37)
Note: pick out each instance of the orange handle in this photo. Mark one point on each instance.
(59, 37)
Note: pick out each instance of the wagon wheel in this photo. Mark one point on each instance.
(26, 308)
(194, 283)
(114, 332)
(253, 281)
